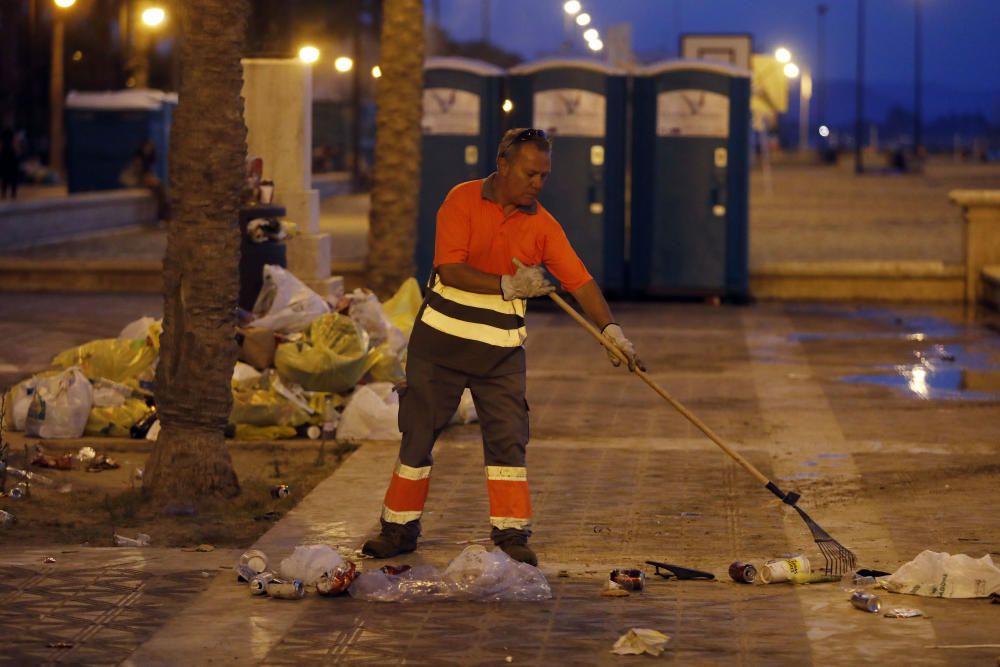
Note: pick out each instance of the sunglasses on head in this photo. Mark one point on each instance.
(524, 135)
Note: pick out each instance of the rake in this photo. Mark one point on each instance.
(839, 559)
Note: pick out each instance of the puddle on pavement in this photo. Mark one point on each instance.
(937, 372)
(941, 373)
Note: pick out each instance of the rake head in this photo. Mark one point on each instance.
(839, 559)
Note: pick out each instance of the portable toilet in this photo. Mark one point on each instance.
(461, 127)
(690, 180)
(105, 130)
(581, 106)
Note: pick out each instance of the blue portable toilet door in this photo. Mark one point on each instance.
(461, 109)
(581, 105)
(692, 131)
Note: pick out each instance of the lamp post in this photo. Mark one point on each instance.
(859, 93)
(821, 11)
(918, 82)
(805, 94)
(56, 162)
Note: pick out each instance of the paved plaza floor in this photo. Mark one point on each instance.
(886, 419)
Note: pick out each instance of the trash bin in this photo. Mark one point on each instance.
(461, 128)
(690, 180)
(104, 131)
(253, 256)
(581, 105)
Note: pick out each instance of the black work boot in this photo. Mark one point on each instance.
(514, 543)
(395, 539)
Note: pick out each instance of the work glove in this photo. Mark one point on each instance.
(526, 282)
(614, 333)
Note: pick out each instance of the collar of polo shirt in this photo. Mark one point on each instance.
(489, 194)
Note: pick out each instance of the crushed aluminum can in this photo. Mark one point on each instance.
(866, 602)
(395, 570)
(903, 612)
(743, 573)
(629, 579)
(286, 590)
(255, 559)
(280, 491)
(244, 573)
(6, 518)
(337, 581)
(259, 582)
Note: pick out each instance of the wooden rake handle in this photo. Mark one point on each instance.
(749, 467)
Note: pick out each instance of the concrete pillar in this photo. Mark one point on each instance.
(278, 113)
(981, 211)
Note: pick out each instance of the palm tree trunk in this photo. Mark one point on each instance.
(399, 107)
(207, 158)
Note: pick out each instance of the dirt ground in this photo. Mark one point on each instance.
(78, 507)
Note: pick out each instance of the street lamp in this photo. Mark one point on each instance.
(308, 54)
(343, 64)
(591, 34)
(583, 19)
(791, 70)
(595, 45)
(56, 87)
(572, 7)
(153, 17)
(376, 72)
(782, 55)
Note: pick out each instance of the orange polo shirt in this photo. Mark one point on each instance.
(472, 229)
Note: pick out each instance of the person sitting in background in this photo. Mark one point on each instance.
(141, 173)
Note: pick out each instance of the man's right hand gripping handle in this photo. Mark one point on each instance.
(525, 283)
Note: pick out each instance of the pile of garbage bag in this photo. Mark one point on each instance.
(308, 366)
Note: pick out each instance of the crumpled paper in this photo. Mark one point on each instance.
(641, 640)
(942, 575)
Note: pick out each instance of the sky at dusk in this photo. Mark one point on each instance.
(961, 37)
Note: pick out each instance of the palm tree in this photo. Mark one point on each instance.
(200, 270)
(399, 107)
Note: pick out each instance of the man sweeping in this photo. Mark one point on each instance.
(493, 237)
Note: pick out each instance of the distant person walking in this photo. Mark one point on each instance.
(9, 164)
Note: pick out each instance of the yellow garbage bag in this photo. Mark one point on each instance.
(402, 307)
(251, 432)
(383, 365)
(115, 421)
(116, 359)
(330, 357)
(264, 407)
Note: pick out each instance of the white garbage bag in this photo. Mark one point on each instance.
(142, 328)
(366, 310)
(308, 563)
(60, 405)
(371, 414)
(942, 575)
(285, 303)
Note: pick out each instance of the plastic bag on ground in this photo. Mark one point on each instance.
(19, 400)
(143, 328)
(130, 362)
(115, 421)
(366, 310)
(309, 563)
(941, 575)
(264, 407)
(475, 574)
(384, 365)
(285, 303)
(245, 376)
(372, 413)
(402, 307)
(60, 405)
(330, 356)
